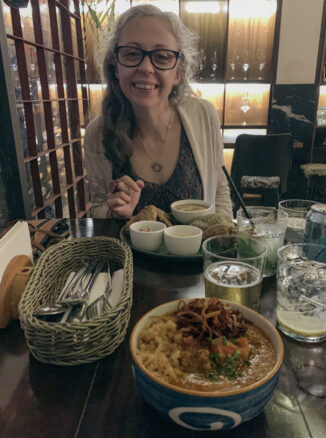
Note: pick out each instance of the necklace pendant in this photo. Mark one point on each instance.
(156, 167)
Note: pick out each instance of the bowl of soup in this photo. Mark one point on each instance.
(147, 235)
(183, 240)
(205, 363)
(188, 210)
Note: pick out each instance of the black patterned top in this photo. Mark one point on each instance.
(184, 183)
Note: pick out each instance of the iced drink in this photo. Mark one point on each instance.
(297, 209)
(273, 239)
(269, 227)
(301, 299)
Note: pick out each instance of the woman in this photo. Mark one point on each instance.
(154, 143)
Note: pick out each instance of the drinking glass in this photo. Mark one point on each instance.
(233, 269)
(245, 107)
(261, 61)
(202, 64)
(268, 225)
(234, 63)
(245, 65)
(297, 209)
(301, 298)
(214, 65)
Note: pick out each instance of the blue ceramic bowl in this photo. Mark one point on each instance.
(198, 410)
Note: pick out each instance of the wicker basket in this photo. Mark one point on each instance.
(75, 343)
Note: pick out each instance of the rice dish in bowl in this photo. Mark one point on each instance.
(206, 379)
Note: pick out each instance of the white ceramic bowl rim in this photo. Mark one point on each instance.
(191, 201)
(196, 231)
(136, 225)
(231, 392)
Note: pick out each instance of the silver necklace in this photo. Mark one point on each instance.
(156, 165)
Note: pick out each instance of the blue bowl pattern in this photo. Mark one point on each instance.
(204, 413)
(201, 411)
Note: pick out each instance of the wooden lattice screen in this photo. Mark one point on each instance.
(46, 53)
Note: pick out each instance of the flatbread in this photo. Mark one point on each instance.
(212, 219)
(219, 229)
(214, 225)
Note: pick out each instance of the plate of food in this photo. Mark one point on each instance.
(148, 230)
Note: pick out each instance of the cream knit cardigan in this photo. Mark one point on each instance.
(201, 123)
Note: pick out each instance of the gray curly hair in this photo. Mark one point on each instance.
(119, 125)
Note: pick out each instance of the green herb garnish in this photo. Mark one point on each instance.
(227, 369)
(237, 355)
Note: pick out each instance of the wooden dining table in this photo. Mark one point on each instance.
(100, 399)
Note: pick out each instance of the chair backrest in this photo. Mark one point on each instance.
(262, 155)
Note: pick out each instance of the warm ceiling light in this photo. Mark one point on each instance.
(247, 89)
(26, 12)
(203, 7)
(208, 90)
(252, 9)
(322, 90)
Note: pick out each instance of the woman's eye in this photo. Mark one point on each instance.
(161, 57)
(131, 54)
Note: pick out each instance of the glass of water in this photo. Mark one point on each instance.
(268, 225)
(297, 209)
(234, 271)
(301, 291)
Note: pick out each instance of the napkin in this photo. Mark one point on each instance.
(15, 242)
(100, 285)
(117, 287)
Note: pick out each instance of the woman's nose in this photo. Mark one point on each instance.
(146, 65)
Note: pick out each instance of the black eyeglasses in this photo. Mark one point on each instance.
(162, 59)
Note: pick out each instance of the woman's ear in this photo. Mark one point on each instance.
(178, 76)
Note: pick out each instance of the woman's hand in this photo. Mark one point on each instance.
(124, 196)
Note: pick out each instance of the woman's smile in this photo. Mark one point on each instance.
(144, 86)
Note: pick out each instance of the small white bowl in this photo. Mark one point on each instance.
(147, 235)
(187, 216)
(183, 240)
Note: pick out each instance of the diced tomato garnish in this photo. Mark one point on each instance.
(243, 346)
(223, 348)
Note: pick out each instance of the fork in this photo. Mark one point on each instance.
(82, 293)
(67, 297)
(108, 288)
(72, 284)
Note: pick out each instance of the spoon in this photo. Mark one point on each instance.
(50, 310)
